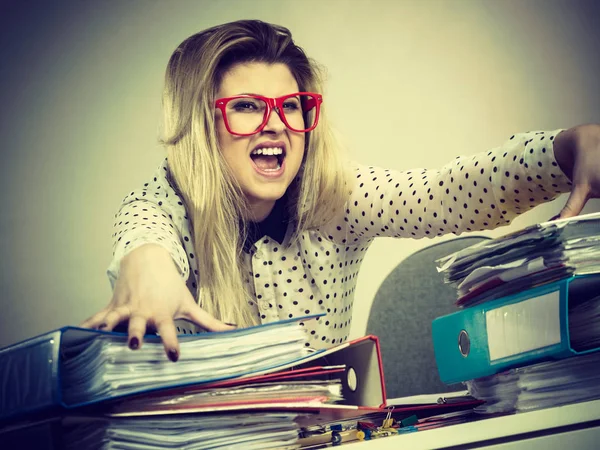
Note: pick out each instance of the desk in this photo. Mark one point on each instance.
(569, 427)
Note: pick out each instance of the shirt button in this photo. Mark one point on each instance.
(264, 306)
(258, 254)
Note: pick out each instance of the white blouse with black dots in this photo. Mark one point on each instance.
(318, 273)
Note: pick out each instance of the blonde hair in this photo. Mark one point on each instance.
(211, 193)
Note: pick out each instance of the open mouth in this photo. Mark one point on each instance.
(268, 160)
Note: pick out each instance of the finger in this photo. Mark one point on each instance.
(136, 331)
(94, 321)
(166, 329)
(200, 317)
(115, 316)
(576, 201)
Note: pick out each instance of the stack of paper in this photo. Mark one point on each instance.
(224, 396)
(527, 258)
(530, 323)
(238, 388)
(539, 386)
(584, 324)
(247, 431)
(106, 368)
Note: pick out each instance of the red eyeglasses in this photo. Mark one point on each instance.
(245, 115)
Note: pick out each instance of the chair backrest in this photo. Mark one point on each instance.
(405, 304)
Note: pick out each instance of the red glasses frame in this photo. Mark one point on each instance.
(273, 104)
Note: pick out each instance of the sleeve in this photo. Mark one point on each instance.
(471, 193)
(153, 214)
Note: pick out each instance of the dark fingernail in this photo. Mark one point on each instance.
(101, 326)
(231, 324)
(134, 343)
(554, 218)
(173, 355)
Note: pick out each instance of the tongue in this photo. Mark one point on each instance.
(265, 162)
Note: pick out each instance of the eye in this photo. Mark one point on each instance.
(246, 105)
(291, 104)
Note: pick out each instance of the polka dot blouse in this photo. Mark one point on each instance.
(318, 273)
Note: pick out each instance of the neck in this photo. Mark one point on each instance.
(260, 209)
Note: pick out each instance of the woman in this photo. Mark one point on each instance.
(256, 210)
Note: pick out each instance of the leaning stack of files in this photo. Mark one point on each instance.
(208, 431)
(80, 382)
(341, 381)
(73, 367)
(59, 386)
(525, 259)
(542, 385)
(529, 324)
(303, 387)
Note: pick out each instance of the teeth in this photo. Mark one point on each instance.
(268, 151)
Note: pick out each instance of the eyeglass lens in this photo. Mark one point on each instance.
(246, 115)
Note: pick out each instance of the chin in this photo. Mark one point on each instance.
(269, 194)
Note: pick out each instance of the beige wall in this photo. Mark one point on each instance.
(411, 84)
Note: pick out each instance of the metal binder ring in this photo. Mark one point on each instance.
(352, 379)
(464, 343)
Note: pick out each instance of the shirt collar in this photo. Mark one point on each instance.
(275, 225)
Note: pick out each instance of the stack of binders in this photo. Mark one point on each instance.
(528, 332)
(85, 389)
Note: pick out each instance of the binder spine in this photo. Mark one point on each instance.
(29, 375)
(517, 330)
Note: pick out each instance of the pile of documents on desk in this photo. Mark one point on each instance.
(86, 389)
(528, 331)
(260, 387)
(525, 259)
(540, 385)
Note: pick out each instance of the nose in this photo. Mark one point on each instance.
(274, 123)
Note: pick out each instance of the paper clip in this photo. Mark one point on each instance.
(388, 422)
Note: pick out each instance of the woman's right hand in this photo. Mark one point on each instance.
(149, 294)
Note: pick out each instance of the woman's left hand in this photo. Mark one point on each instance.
(577, 152)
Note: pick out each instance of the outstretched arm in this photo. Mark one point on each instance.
(150, 267)
(154, 214)
(470, 193)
